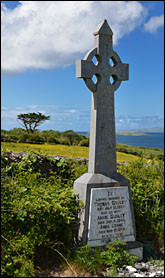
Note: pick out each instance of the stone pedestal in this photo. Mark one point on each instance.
(108, 212)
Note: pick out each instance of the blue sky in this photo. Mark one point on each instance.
(41, 41)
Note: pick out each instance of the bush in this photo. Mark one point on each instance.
(64, 142)
(35, 211)
(4, 138)
(68, 137)
(52, 139)
(113, 255)
(84, 142)
(141, 151)
(23, 137)
(147, 188)
(34, 138)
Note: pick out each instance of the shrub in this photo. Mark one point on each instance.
(4, 138)
(147, 188)
(64, 142)
(34, 138)
(52, 139)
(113, 255)
(84, 142)
(23, 137)
(141, 151)
(35, 211)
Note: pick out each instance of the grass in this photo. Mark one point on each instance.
(140, 151)
(68, 151)
(123, 157)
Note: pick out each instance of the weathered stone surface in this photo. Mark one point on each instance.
(102, 153)
(83, 187)
(110, 216)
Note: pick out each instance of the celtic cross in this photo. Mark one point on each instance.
(109, 71)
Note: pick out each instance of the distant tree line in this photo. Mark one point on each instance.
(68, 137)
(30, 134)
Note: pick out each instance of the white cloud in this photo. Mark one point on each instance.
(11, 113)
(65, 118)
(72, 111)
(154, 23)
(61, 117)
(32, 106)
(123, 122)
(52, 34)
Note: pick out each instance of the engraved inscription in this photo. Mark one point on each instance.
(109, 216)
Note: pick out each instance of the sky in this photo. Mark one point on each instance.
(41, 41)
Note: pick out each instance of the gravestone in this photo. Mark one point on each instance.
(108, 212)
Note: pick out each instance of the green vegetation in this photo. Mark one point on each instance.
(35, 211)
(147, 188)
(68, 137)
(68, 151)
(114, 255)
(47, 149)
(38, 212)
(147, 153)
(51, 141)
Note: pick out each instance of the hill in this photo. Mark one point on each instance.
(152, 129)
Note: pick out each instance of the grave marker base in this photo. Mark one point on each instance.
(108, 212)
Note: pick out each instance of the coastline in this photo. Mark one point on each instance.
(133, 133)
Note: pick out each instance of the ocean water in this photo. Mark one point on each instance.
(151, 140)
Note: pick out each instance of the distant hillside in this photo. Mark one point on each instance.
(153, 129)
(133, 131)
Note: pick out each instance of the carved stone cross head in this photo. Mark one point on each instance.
(109, 69)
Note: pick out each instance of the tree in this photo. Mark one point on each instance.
(32, 120)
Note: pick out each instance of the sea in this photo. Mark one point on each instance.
(153, 140)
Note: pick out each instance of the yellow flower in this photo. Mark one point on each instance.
(6, 256)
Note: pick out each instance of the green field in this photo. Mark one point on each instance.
(147, 153)
(68, 151)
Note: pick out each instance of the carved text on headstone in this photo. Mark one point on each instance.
(109, 215)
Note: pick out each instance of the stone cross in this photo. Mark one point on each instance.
(107, 213)
(109, 71)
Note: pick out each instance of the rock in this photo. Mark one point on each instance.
(161, 268)
(151, 268)
(142, 266)
(131, 269)
(137, 275)
(152, 274)
(142, 269)
(120, 274)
